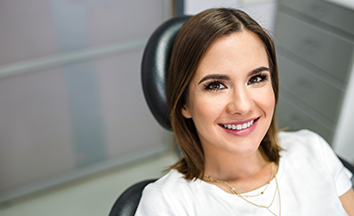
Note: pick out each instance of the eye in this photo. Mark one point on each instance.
(214, 86)
(257, 79)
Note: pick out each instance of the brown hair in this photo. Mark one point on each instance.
(191, 43)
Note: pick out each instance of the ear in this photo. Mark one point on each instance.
(185, 112)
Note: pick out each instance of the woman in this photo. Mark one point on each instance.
(222, 90)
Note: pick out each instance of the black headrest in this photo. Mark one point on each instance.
(154, 68)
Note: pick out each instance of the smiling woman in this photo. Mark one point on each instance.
(222, 92)
(231, 90)
(212, 48)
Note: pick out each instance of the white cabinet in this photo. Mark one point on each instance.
(315, 43)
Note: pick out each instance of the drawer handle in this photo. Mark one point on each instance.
(309, 45)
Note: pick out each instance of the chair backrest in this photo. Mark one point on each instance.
(154, 71)
(154, 68)
(127, 203)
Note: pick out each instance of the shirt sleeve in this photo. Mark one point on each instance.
(340, 174)
(155, 201)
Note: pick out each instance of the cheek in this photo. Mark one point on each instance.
(206, 108)
(267, 100)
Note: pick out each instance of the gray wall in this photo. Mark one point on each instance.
(71, 101)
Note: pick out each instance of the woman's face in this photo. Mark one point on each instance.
(231, 99)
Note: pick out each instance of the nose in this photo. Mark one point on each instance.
(240, 102)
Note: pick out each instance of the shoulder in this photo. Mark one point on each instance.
(172, 185)
(287, 137)
(307, 151)
(166, 196)
(169, 182)
(301, 140)
(307, 146)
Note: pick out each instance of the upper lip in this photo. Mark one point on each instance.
(240, 122)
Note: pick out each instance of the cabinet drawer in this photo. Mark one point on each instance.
(320, 48)
(310, 88)
(290, 116)
(332, 14)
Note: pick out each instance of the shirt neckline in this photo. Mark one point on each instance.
(272, 184)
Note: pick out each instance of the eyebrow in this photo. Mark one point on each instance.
(224, 77)
(258, 70)
(214, 76)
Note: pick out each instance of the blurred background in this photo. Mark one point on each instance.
(75, 128)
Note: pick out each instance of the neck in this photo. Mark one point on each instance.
(231, 167)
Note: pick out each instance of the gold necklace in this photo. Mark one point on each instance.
(233, 191)
(270, 178)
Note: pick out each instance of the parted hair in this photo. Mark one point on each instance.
(192, 41)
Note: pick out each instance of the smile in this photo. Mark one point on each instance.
(238, 126)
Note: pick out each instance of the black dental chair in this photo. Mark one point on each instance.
(154, 71)
(154, 74)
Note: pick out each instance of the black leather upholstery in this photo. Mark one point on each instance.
(127, 203)
(154, 68)
(350, 167)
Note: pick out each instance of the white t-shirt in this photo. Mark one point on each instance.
(310, 179)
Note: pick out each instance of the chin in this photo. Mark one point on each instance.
(245, 152)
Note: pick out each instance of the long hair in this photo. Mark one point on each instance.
(194, 38)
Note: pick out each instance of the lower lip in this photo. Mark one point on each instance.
(242, 132)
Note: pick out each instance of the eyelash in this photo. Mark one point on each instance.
(263, 77)
(219, 85)
(209, 86)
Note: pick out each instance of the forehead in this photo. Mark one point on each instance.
(239, 52)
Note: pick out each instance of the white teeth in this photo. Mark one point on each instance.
(238, 126)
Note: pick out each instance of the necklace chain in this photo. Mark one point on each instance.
(233, 191)
(270, 178)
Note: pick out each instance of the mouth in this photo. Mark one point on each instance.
(237, 127)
